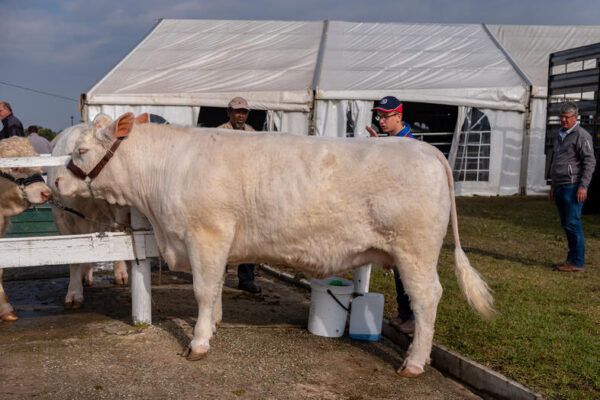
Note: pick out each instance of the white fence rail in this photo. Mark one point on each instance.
(93, 247)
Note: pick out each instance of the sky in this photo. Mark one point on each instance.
(51, 51)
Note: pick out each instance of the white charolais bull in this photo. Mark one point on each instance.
(19, 188)
(323, 205)
(98, 217)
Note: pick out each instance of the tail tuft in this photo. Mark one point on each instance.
(472, 285)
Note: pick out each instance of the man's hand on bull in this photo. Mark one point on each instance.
(371, 131)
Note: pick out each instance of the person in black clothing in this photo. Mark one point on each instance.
(11, 126)
(237, 112)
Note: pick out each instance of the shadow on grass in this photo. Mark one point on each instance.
(497, 256)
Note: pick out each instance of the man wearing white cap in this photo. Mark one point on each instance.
(237, 112)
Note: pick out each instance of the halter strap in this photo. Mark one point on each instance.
(23, 181)
(78, 172)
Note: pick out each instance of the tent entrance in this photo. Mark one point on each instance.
(211, 117)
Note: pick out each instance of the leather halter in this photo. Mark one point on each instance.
(23, 181)
(78, 172)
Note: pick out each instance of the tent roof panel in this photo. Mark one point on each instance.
(392, 57)
(530, 46)
(195, 58)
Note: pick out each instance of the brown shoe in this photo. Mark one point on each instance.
(568, 267)
(396, 322)
(407, 326)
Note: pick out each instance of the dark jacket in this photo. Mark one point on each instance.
(11, 126)
(573, 160)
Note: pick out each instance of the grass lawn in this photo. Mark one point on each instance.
(546, 334)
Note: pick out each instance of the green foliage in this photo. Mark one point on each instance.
(48, 133)
(546, 334)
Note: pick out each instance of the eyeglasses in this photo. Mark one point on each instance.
(386, 117)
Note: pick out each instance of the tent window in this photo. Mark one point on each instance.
(473, 153)
(431, 123)
(211, 117)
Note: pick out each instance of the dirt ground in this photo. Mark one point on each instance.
(262, 350)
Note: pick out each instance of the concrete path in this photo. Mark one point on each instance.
(262, 350)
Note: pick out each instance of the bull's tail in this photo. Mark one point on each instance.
(474, 288)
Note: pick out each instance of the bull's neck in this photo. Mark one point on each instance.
(133, 178)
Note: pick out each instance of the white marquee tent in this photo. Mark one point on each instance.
(310, 76)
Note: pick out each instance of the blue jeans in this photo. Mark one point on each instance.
(404, 310)
(569, 210)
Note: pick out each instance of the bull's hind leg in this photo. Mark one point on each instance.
(218, 308)
(87, 274)
(208, 256)
(418, 271)
(6, 311)
(78, 273)
(120, 273)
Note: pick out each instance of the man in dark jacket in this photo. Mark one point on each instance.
(11, 126)
(571, 172)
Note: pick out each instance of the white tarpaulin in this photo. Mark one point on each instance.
(322, 77)
(530, 46)
(434, 63)
(208, 62)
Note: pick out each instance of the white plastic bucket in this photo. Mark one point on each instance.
(362, 278)
(327, 317)
(366, 317)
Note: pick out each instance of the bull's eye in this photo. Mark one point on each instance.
(82, 151)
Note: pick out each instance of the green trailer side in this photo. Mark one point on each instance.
(35, 221)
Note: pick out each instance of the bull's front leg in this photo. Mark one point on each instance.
(208, 257)
(7, 313)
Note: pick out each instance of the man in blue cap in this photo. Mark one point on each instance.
(389, 116)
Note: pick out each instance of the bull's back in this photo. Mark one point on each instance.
(293, 192)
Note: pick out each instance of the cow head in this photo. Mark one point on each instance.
(89, 149)
(20, 187)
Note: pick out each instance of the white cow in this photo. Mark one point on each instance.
(16, 195)
(98, 218)
(323, 205)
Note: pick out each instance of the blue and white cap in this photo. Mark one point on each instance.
(388, 104)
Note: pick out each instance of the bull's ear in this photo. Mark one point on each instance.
(142, 119)
(119, 128)
(123, 125)
(101, 120)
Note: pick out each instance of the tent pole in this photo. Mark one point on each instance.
(312, 130)
(525, 144)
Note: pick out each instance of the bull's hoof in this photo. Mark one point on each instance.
(409, 371)
(9, 316)
(192, 355)
(407, 353)
(121, 281)
(73, 304)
